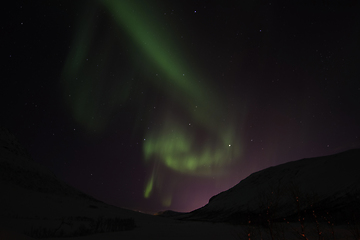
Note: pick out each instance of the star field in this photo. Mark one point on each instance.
(154, 105)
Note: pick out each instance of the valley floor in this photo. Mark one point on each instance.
(200, 230)
(164, 228)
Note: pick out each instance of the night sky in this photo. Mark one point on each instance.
(154, 105)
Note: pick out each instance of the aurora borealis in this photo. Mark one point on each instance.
(153, 105)
(202, 149)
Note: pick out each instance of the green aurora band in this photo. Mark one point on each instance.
(174, 143)
(180, 150)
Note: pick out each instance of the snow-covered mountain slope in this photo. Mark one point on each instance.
(327, 184)
(18, 168)
(33, 199)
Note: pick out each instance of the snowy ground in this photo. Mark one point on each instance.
(152, 227)
(191, 230)
(169, 230)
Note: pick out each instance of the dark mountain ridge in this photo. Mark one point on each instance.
(328, 186)
(34, 202)
(18, 168)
